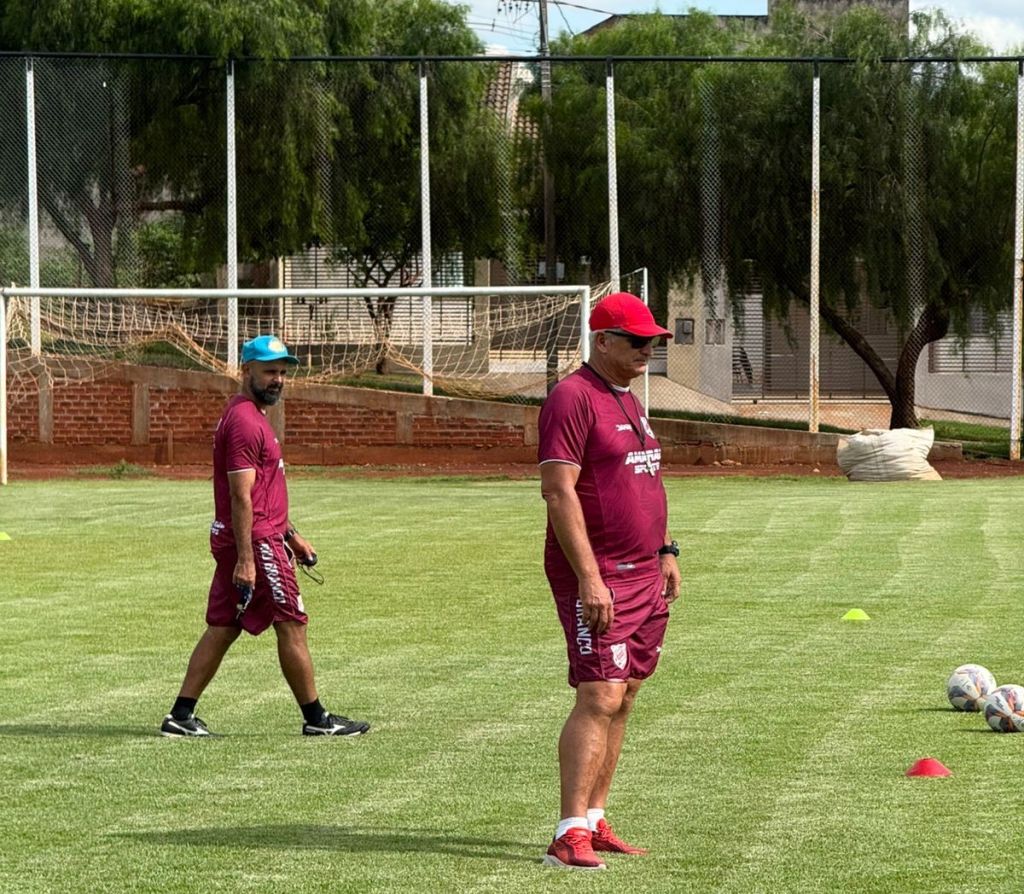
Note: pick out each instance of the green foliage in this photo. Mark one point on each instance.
(714, 170)
(658, 111)
(325, 153)
(977, 440)
(165, 255)
(121, 469)
(55, 266)
(375, 189)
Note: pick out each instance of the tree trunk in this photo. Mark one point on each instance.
(932, 325)
(382, 317)
(101, 226)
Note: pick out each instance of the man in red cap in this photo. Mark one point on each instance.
(609, 559)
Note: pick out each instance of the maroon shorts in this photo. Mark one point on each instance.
(630, 648)
(274, 598)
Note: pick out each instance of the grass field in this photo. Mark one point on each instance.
(766, 755)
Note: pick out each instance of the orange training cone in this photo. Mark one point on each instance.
(928, 766)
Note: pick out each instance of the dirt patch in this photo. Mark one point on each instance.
(968, 468)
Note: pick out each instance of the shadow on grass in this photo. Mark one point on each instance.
(74, 730)
(339, 838)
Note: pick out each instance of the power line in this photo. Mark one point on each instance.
(561, 12)
(603, 12)
(493, 25)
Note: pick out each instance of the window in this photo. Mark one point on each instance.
(684, 331)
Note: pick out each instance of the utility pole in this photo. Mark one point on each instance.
(550, 251)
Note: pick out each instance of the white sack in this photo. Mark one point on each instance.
(882, 455)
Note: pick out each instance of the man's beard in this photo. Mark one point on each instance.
(266, 396)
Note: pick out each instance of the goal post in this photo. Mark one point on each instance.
(491, 342)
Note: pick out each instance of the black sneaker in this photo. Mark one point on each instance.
(333, 725)
(192, 726)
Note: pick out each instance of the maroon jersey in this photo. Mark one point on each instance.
(245, 440)
(605, 433)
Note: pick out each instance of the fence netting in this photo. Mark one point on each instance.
(713, 221)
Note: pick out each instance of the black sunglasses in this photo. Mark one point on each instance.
(635, 341)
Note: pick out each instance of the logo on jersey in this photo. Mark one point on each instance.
(642, 461)
(624, 426)
(646, 426)
(619, 655)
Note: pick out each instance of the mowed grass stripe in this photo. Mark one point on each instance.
(824, 773)
(770, 745)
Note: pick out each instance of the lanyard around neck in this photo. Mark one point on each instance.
(637, 429)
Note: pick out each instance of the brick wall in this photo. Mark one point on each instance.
(22, 410)
(92, 413)
(168, 416)
(314, 422)
(447, 431)
(189, 414)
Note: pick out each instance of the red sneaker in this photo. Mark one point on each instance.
(604, 839)
(573, 851)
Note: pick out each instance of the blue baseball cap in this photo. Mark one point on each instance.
(265, 348)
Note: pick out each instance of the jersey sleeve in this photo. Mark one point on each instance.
(243, 443)
(563, 428)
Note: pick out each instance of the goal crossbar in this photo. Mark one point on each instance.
(85, 325)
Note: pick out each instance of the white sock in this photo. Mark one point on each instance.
(594, 816)
(570, 822)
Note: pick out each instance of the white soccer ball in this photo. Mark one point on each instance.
(968, 686)
(1004, 709)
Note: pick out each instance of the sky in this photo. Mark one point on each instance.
(510, 26)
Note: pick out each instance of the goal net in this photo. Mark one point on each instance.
(503, 343)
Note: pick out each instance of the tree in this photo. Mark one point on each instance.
(375, 214)
(117, 138)
(917, 185)
(327, 153)
(658, 110)
(714, 171)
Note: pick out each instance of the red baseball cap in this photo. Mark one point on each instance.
(627, 313)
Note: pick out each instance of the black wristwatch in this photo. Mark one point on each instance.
(669, 549)
(291, 532)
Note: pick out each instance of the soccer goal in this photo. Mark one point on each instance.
(488, 342)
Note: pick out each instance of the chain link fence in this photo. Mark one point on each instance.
(712, 201)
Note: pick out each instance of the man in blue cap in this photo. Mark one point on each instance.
(255, 547)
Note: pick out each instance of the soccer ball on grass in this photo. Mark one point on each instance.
(968, 686)
(1004, 709)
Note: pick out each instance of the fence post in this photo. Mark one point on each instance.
(613, 180)
(3, 389)
(36, 340)
(428, 279)
(1018, 275)
(585, 325)
(232, 222)
(812, 422)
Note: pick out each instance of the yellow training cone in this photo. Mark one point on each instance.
(856, 614)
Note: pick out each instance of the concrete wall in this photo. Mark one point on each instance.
(699, 366)
(976, 394)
